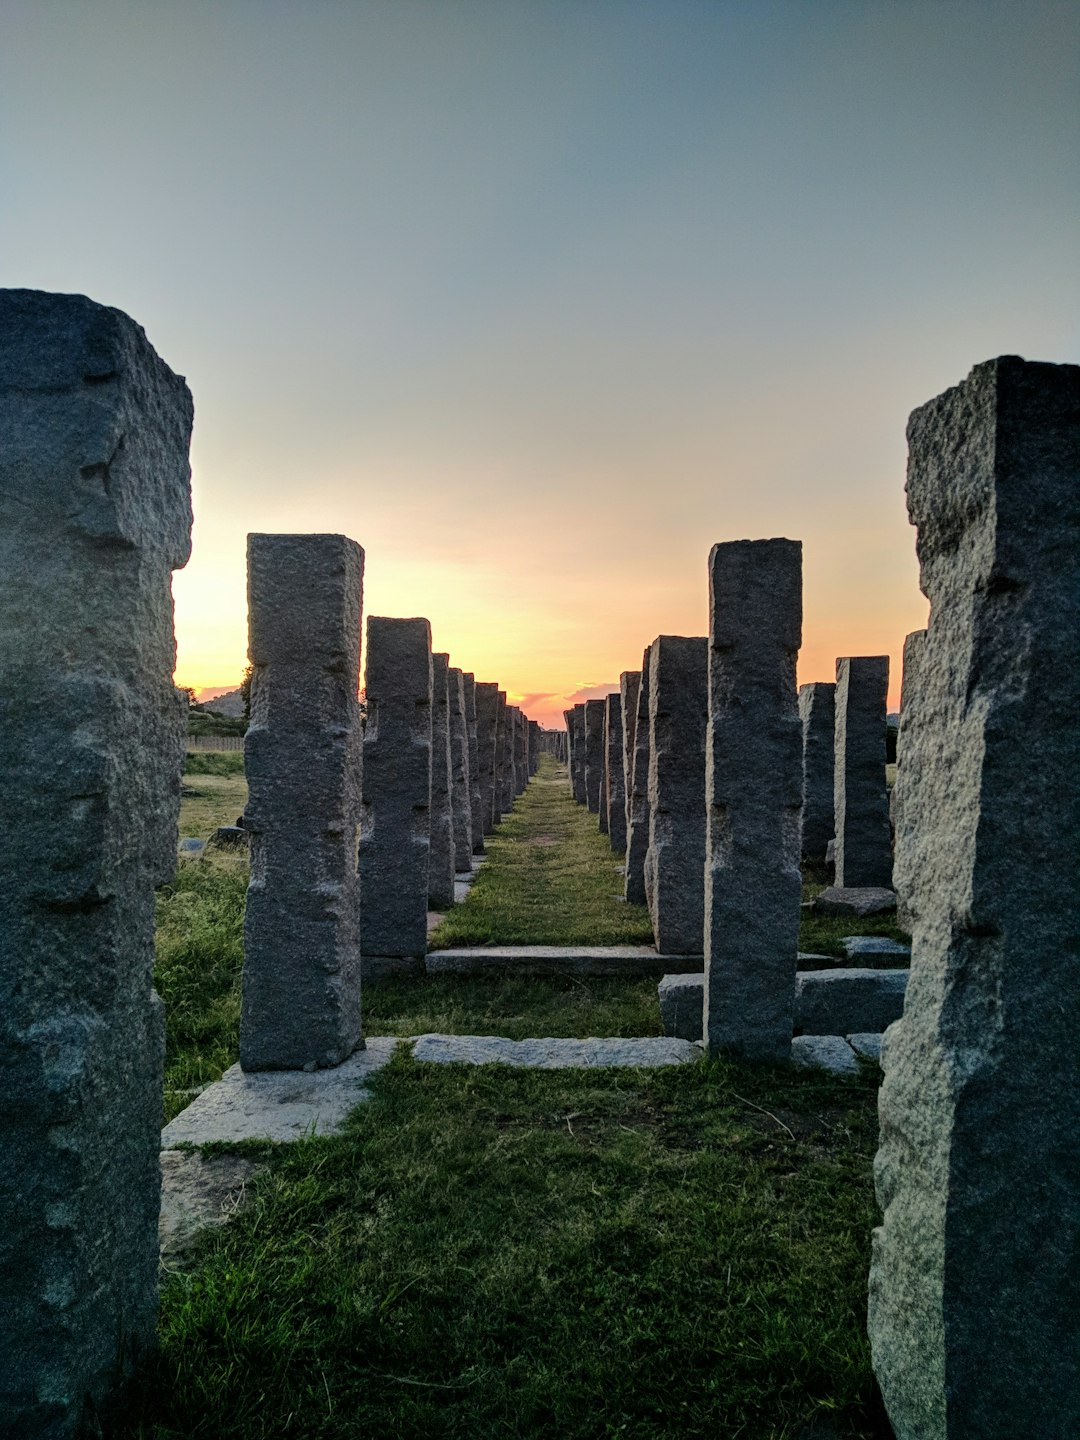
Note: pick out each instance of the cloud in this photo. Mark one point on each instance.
(591, 691)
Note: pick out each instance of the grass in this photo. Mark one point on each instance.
(214, 762)
(210, 799)
(551, 878)
(490, 1252)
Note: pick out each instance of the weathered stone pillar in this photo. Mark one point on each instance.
(605, 779)
(302, 758)
(906, 745)
(487, 736)
(614, 787)
(577, 754)
(817, 709)
(521, 756)
(395, 840)
(507, 731)
(594, 753)
(860, 794)
(441, 861)
(95, 514)
(675, 863)
(629, 687)
(568, 716)
(534, 746)
(754, 789)
(637, 827)
(461, 798)
(974, 1316)
(476, 802)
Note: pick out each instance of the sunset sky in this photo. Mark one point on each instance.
(537, 301)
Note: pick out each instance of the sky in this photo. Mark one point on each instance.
(539, 299)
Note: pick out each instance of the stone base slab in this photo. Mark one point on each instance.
(554, 1054)
(279, 1105)
(855, 900)
(824, 1052)
(624, 960)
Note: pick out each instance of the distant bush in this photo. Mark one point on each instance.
(215, 762)
(200, 722)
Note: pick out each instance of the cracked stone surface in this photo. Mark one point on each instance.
(554, 1054)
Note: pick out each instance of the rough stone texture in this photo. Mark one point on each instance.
(577, 755)
(461, 798)
(682, 1003)
(975, 1288)
(95, 514)
(754, 790)
(504, 774)
(907, 739)
(629, 689)
(476, 802)
(394, 831)
(594, 753)
(832, 1002)
(866, 1045)
(870, 900)
(302, 758)
(817, 711)
(534, 746)
(876, 947)
(551, 1054)
(863, 851)
(441, 859)
(487, 728)
(557, 960)
(824, 1052)
(279, 1105)
(637, 822)
(675, 863)
(198, 1193)
(614, 784)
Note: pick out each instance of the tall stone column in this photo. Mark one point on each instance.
(476, 803)
(302, 758)
(568, 716)
(577, 754)
(441, 860)
(637, 827)
(614, 786)
(95, 514)
(629, 687)
(521, 752)
(974, 1317)
(754, 790)
(907, 761)
(395, 839)
(462, 782)
(487, 735)
(817, 710)
(534, 746)
(675, 863)
(594, 753)
(860, 794)
(506, 756)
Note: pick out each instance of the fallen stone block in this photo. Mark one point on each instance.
(554, 1054)
(190, 847)
(824, 1052)
(834, 1002)
(681, 1001)
(868, 1046)
(229, 837)
(855, 900)
(877, 947)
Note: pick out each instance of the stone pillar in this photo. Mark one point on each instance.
(614, 787)
(302, 758)
(508, 730)
(461, 799)
(906, 743)
(521, 752)
(395, 841)
(817, 709)
(476, 802)
(637, 825)
(534, 746)
(577, 752)
(605, 777)
(675, 863)
(568, 716)
(95, 514)
(860, 794)
(594, 753)
(441, 861)
(974, 1317)
(487, 736)
(754, 789)
(629, 687)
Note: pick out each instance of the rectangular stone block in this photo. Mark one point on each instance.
(476, 801)
(839, 1001)
(461, 792)
(302, 758)
(396, 790)
(614, 786)
(675, 862)
(441, 859)
(594, 753)
(974, 1316)
(577, 755)
(907, 762)
(95, 514)
(637, 824)
(817, 711)
(860, 796)
(487, 736)
(629, 688)
(754, 784)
